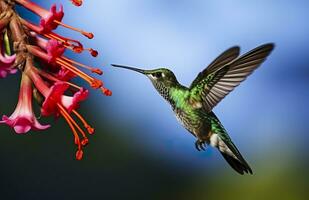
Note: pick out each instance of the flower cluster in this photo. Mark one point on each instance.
(37, 52)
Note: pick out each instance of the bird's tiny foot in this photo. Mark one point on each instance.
(200, 145)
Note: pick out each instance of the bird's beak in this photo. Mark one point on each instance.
(142, 71)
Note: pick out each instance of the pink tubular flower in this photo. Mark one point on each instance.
(49, 19)
(6, 62)
(58, 104)
(54, 49)
(72, 103)
(23, 118)
(46, 72)
(68, 64)
(56, 96)
(52, 98)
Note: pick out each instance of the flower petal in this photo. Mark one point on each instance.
(54, 96)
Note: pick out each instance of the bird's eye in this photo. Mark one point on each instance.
(157, 74)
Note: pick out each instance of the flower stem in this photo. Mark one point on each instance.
(7, 44)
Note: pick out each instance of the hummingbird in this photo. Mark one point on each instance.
(193, 105)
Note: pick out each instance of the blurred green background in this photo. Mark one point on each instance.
(139, 150)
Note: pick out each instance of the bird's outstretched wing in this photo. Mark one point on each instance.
(225, 73)
(223, 59)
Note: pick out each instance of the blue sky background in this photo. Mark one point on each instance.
(185, 36)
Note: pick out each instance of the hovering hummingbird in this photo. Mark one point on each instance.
(193, 106)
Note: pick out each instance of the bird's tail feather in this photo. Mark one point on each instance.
(231, 154)
(236, 164)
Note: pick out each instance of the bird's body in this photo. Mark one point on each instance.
(191, 116)
(193, 105)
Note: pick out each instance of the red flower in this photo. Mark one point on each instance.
(23, 118)
(6, 62)
(54, 49)
(64, 74)
(49, 19)
(55, 95)
(52, 98)
(38, 54)
(68, 64)
(72, 103)
(57, 103)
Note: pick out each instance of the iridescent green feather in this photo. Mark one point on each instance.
(180, 97)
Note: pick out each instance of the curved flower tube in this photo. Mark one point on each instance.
(38, 53)
(23, 119)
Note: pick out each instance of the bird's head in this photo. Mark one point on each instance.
(160, 76)
(162, 79)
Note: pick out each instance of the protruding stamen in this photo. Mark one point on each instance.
(72, 120)
(87, 34)
(74, 125)
(86, 125)
(67, 117)
(68, 43)
(80, 49)
(76, 137)
(77, 2)
(97, 71)
(56, 37)
(106, 91)
(94, 83)
(93, 70)
(71, 44)
(77, 49)
(85, 141)
(93, 52)
(90, 130)
(53, 78)
(74, 70)
(79, 154)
